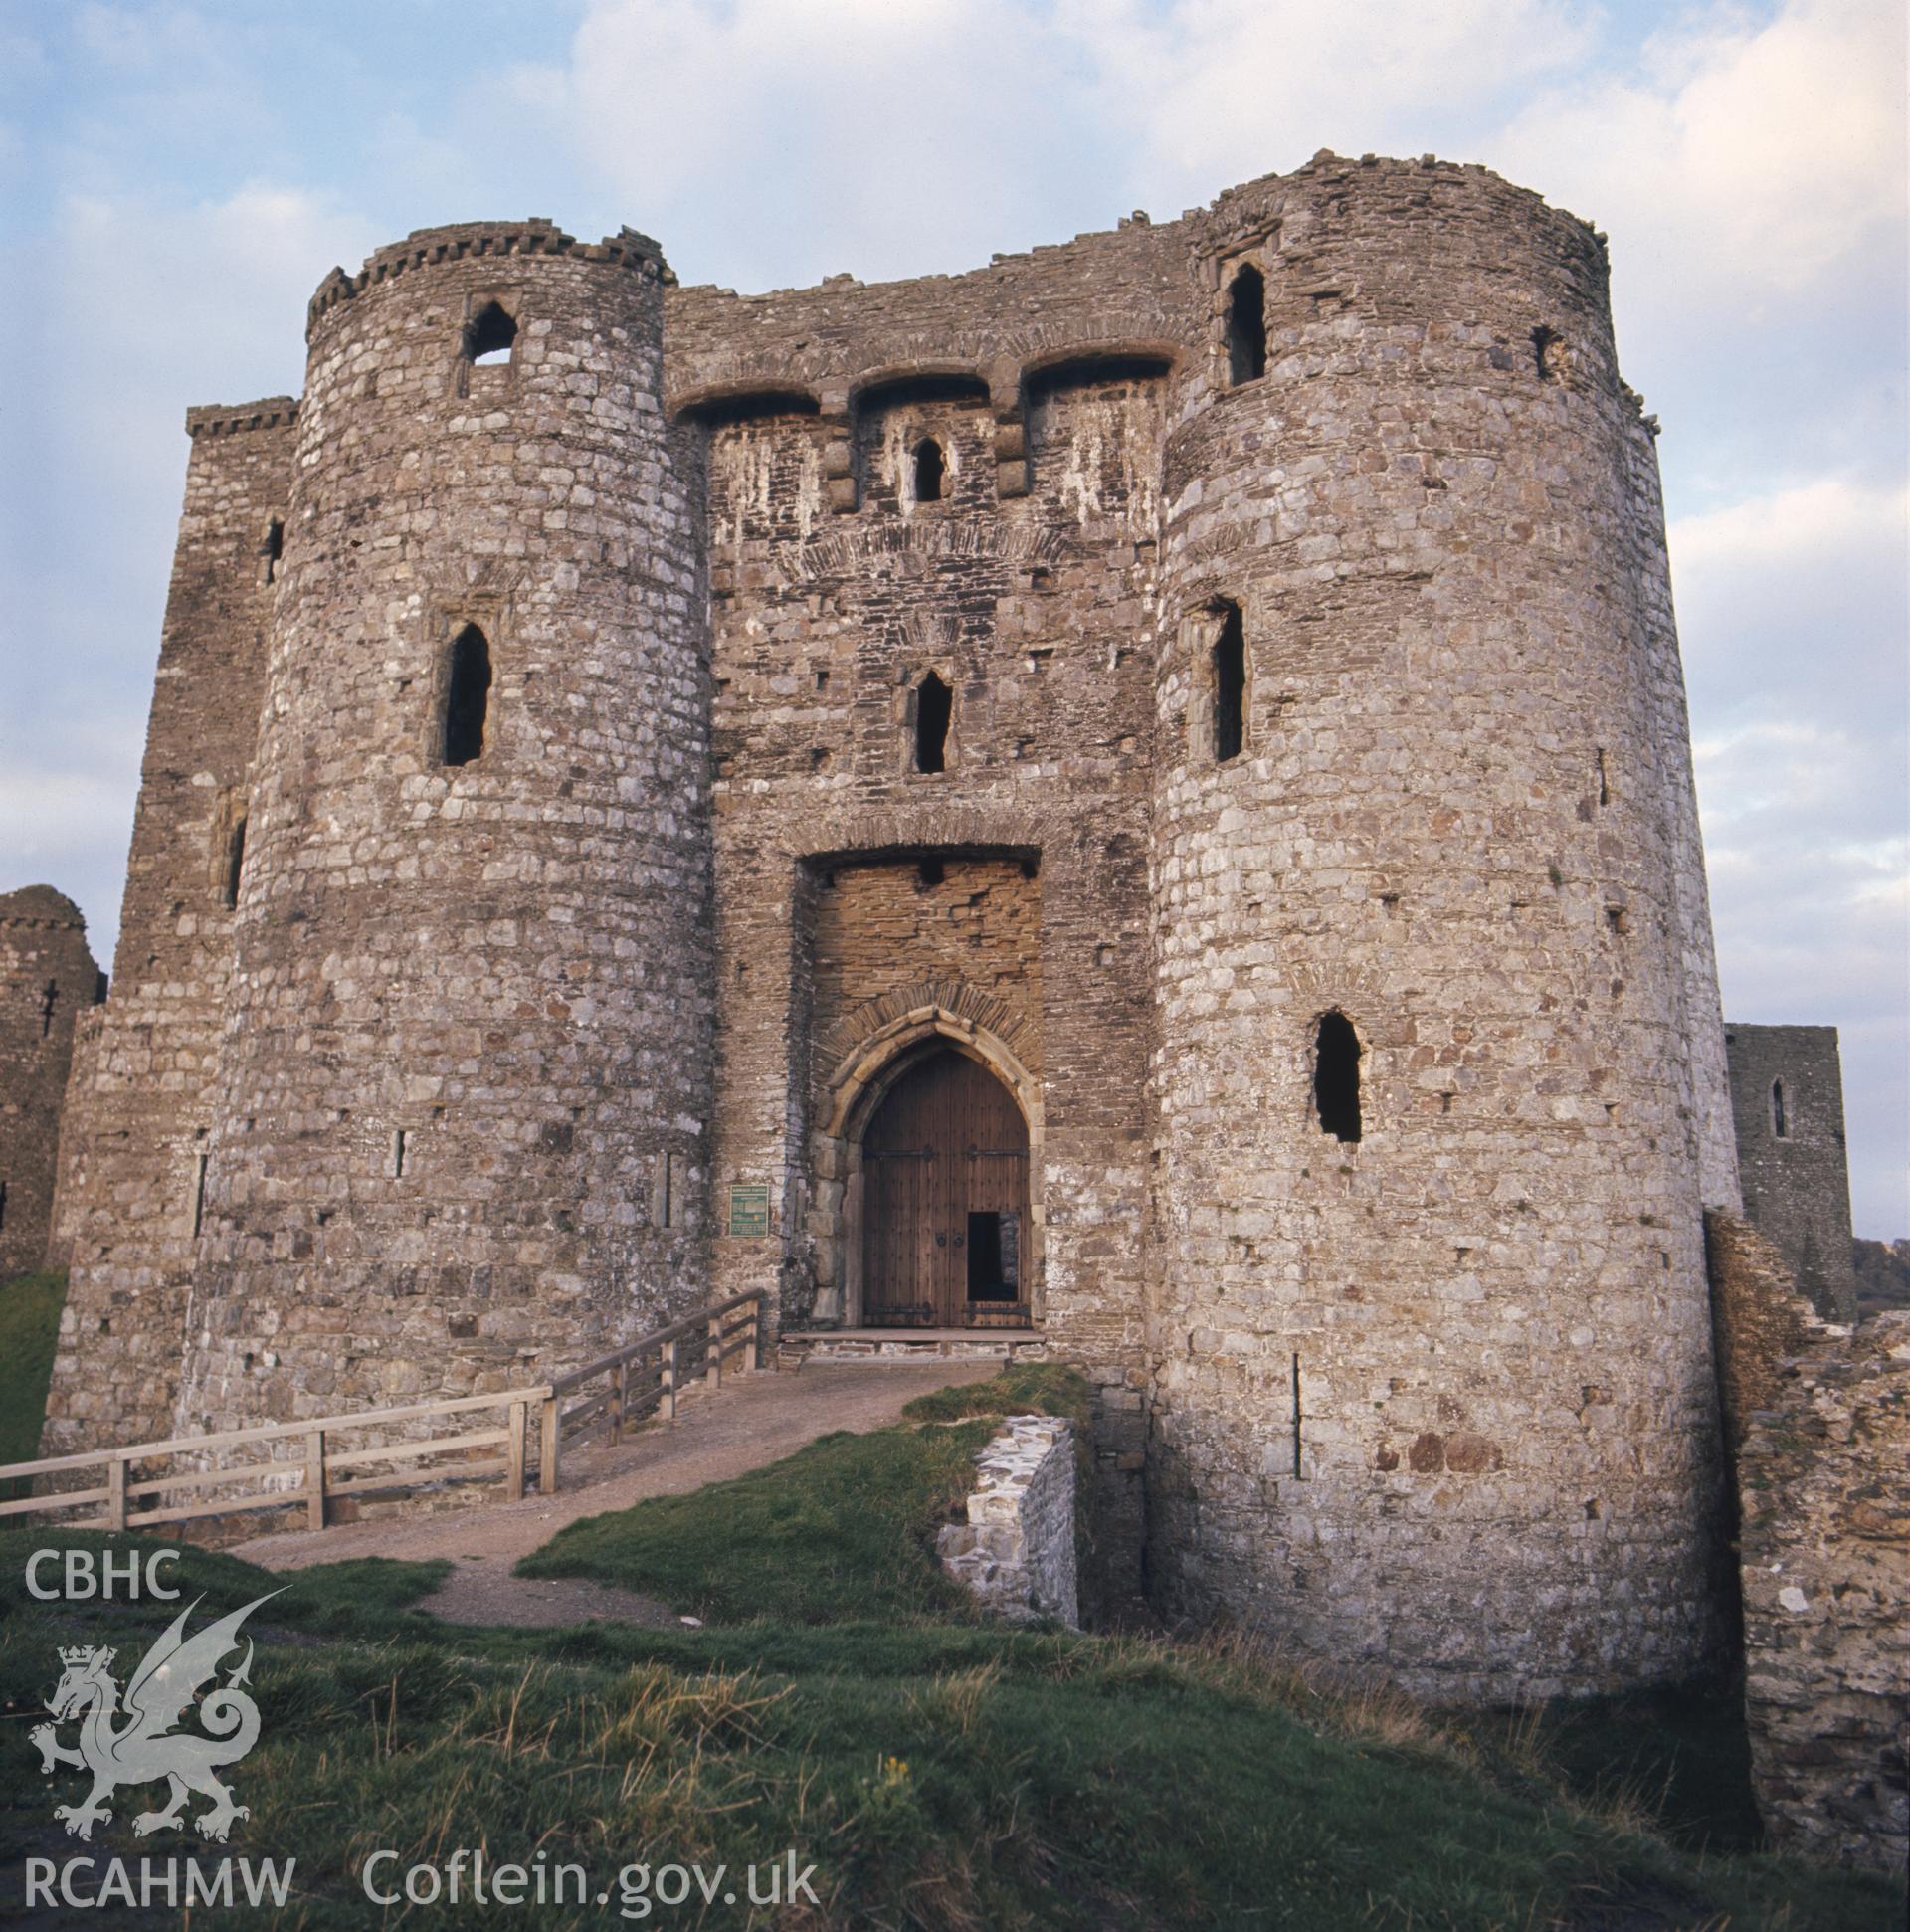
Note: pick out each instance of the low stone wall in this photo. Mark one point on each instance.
(1824, 1486)
(1015, 1552)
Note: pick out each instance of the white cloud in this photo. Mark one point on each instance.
(1745, 161)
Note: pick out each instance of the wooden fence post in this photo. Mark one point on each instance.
(668, 1375)
(753, 1339)
(514, 1452)
(619, 1387)
(713, 1359)
(316, 1480)
(547, 1444)
(116, 1493)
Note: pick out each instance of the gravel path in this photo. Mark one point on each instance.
(756, 1419)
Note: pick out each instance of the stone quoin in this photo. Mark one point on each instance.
(1140, 796)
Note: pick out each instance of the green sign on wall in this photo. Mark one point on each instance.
(749, 1210)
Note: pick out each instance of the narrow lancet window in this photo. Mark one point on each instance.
(930, 468)
(466, 697)
(1246, 326)
(1336, 1077)
(934, 703)
(235, 865)
(271, 546)
(488, 335)
(1230, 686)
(1779, 1125)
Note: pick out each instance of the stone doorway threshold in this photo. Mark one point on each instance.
(796, 1347)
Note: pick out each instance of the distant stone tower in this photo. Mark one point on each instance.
(1787, 1098)
(1435, 1386)
(48, 981)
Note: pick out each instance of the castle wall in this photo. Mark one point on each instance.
(1826, 1599)
(469, 1021)
(1796, 1184)
(139, 1110)
(48, 983)
(1446, 824)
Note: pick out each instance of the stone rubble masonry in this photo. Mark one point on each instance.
(1796, 1184)
(674, 922)
(139, 1109)
(1015, 1552)
(49, 983)
(1824, 1482)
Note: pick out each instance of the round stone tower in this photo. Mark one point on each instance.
(1434, 1390)
(467, 1052)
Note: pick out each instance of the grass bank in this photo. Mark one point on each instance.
(30, 1307)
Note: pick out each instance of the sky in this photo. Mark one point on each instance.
(176, 179)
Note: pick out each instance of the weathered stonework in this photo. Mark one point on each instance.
(1787, 1107)
(1824, 1481)
(1015, 1552)
(48, 984)
(494, 1061)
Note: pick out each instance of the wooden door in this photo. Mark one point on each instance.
(945, 1198)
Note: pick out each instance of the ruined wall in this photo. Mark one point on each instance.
(468, 1023)
(140, 1105)
(1438, 1400)
(1824, 1481)
(1015, 1552)
(48, 981)
(1796, 1181)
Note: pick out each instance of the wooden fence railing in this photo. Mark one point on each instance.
(306, 1464)
(687, 1353)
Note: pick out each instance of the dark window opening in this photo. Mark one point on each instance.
(1778, 1126)
(198, 1194)
(1246, 326)
(100, 985)
(1296, 1417)
(466, 697)
(47, 1001)
(489, 335)
(930, 873)
(398, 1151)
(1336, 1077)
(994, 1243)
(273, 547)
(1230, 686)
(929, 465)
(1547, 352)
(3, 1203)
(1604, 786)
(934, 705)
(235, 865)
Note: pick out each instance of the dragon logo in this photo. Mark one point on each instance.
(144, 1743)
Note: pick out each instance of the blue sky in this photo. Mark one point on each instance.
(177, 179)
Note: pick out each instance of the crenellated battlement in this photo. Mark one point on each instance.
(233, 419)
(427, 247)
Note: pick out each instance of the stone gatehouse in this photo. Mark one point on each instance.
(1140, 796)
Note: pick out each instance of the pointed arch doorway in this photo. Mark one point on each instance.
(945, 1224)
